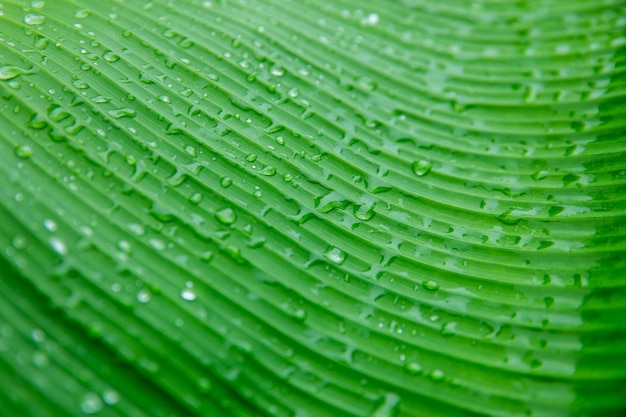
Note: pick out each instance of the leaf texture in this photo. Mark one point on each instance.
(312, 208)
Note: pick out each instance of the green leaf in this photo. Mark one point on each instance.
(312, 208)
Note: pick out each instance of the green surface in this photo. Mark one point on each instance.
(313, 208)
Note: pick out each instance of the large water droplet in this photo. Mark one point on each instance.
(8, 72)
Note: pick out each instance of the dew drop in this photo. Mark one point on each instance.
(110, 396)
(58, 246)
(437, 375)
(364, 212)
(34, 19)
(124, 246)
(191, 151)
(226, 182)
(91, 403)
(268, 171)
(226, 216)
(195, 198)
(144, 296)
(431, 285)
(81, 13)
(335, 255)
(110, 56)
(23, 151)
(421, 168)
(413, 368)
(119, 113)
(188, 294)
(50, 225)
(8, 72)
(80, 84)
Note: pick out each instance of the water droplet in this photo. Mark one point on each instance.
(413, 368)
(144, 296)
(58, 246)
(431, 285)
(8, 72)
(188, 294)
(300, 314)
(119, 113)
(34, 19)
(370, 20)
(226, 216)
(50, 225)
(91, 403)
(80, 84)
(277, 71)
(437, 375)
(110, 56)
(268, 171)
(226, 182)
(364, 212)
(81, 13)
(335, 255)
(421, 168)
(124, 246)
(195, 198)
(110, 396)
(40, 359)
(191, 151)
(100, 99)
(23, 151)
(38, 335)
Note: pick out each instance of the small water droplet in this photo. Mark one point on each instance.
(81, 13)
(188, 294)
(23, 151)
(431, 285)
(226, 216)
(80, 84)
(40, 359)
(413, 368)
(124, 246)
(364, 212)
(268, 171)
(191, 151)
(335, 255)
(110, 56)
(437, 375)
(421, 168)
(277, 71)
(34, 19)
(100, 99)
(58, 246)
(119, 113)
(144, 296)
(195, 198)
(91, 403)
(226, 182)
(50, 225)
(110, 396)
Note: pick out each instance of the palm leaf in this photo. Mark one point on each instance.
(312, 208)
